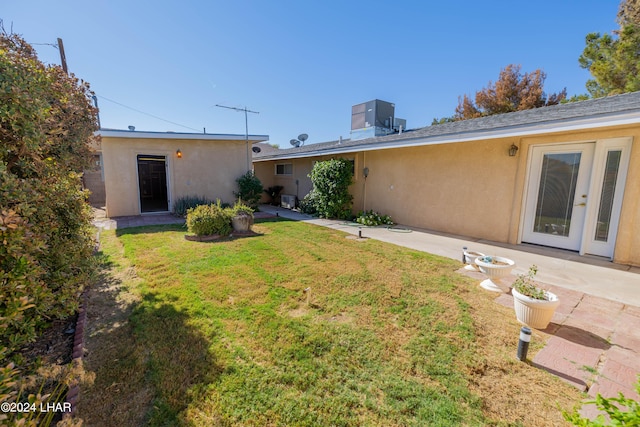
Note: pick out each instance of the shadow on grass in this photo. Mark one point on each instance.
(148, 229)
(150, 362)
(162, 228)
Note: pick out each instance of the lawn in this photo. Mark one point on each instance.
(224, 333)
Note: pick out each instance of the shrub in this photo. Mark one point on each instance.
(240, 208)
(250, 189)
(614, 408)
(331, 180)
(46, 124)
(274, 192)
(308, 204)
(371, 219)
(205, 220)
(183, 204)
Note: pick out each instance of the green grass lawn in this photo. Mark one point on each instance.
(220, 333)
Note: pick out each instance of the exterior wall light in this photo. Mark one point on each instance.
(365, 172)
(179, 154)
(513, 150)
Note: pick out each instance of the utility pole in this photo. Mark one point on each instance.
(246, 128)
(63, 58)
(95, 101)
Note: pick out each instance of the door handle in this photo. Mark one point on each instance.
(581, 204)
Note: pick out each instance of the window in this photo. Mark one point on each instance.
(284, 169)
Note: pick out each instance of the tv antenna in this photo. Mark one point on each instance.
(246, 128)
(300, 141)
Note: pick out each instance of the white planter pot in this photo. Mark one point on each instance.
(495, 272)
(470, 259)
(534, 312)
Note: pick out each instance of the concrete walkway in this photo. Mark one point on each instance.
(593, 341)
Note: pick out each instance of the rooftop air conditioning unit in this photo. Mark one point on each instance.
(288, 201)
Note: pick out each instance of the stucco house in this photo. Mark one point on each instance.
(145, 172)
(565, 176)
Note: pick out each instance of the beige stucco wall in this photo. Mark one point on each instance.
(207, 168)
(471, 189)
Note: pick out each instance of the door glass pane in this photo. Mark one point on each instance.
(557, 191)
(606, 198)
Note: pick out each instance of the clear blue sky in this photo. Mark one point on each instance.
(302, 64)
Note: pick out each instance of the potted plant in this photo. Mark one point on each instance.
(496, 268)
(533, 306)
(241, 218)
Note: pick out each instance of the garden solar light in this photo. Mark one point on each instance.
(523, 343)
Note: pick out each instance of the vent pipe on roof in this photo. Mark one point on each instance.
(340, 140)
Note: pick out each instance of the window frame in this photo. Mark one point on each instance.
(284, 168)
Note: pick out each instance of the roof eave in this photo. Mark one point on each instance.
(113, 133)
(582, 123)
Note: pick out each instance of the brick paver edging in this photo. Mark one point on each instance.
(78, 352)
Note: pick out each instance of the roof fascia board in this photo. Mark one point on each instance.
(505, 132)
(177, 135)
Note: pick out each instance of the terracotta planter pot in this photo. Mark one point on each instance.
(534, 312)
(495, 272)
(242, 223)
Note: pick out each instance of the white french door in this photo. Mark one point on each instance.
(558, 190)
(574, 195)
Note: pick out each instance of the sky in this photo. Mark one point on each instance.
(301, 65)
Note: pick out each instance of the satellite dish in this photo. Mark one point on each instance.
(303, 137)
(256, 149)
(295, 143)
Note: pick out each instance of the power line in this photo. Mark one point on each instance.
(147, 114)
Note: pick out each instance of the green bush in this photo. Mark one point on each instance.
(372, 218)
(240, 208)
(308, 204)
(183, 204)
(46, 124)
(250, 189)
(621, 411)
(331, 180)
(206, 220)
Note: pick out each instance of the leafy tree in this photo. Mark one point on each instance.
(513, 91)
(614, 60)
(437, 121)
(330, 195)
(629, 12)
(46, 124)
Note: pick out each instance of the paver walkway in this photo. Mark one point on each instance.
(592, 343)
